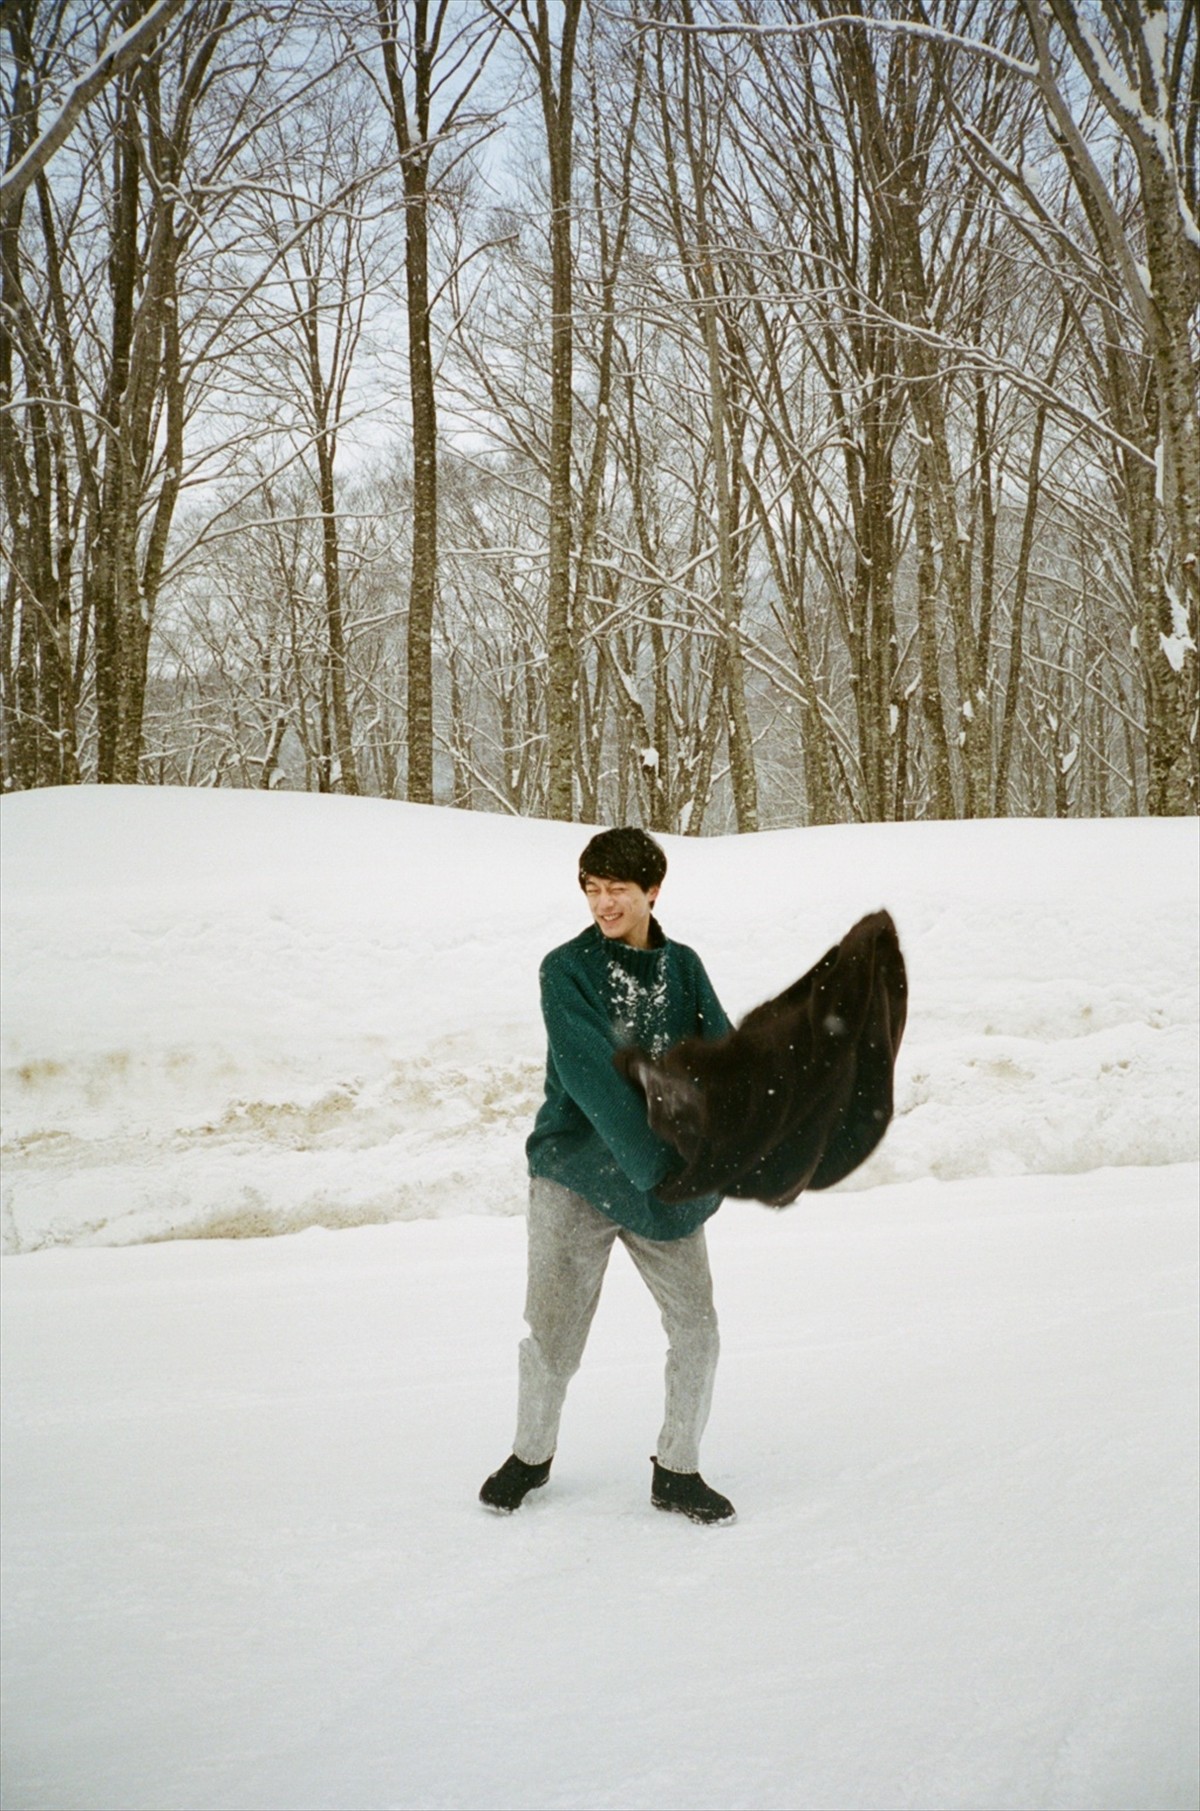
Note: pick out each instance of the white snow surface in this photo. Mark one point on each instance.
(244, 1565)
(235, 1013)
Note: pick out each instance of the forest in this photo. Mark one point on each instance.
(718, 415)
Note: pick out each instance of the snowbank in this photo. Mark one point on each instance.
(232, 1013)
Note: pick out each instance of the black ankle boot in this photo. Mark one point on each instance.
(686, 1492)
(508, 1488)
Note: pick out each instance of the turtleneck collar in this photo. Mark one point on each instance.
(643, 963)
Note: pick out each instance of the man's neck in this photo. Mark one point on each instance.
(646, 936)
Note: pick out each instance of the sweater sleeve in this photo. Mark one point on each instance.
(581, 1047)
(711, 1018)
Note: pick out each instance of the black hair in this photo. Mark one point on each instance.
(624, 854)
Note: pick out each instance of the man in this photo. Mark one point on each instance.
(594, 1165)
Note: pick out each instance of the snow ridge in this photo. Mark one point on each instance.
(230, 1014)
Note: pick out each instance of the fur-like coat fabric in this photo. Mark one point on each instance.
(800, 1093)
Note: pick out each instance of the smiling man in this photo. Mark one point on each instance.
(594, 1166)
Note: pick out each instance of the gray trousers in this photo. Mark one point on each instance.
(569, 1246)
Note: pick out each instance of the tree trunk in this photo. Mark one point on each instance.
(422, 595)
(331, 573)
(931, 680)
(1144, 105)
(109, 578)
(699, 261)
(561, 655)
(1016, 633)
(415, 150)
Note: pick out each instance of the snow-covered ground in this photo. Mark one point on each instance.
(244, 1566)
(228, 1013)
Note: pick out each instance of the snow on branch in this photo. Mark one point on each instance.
(119, 56)
(909, 28)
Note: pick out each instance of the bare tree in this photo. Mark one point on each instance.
(1120, 88)
(700, 102)
(806, 430)
(1145, 76)
(122, 54)
(553, 67)
(424, 48)
(329, 235)
(120, 292)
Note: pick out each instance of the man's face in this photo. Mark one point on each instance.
(621, 909)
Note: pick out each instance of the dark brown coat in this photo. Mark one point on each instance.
(800, 1093)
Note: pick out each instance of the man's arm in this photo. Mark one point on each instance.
(581, 1045)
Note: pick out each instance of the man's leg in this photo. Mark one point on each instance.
(676, 1273)
(569, 1246)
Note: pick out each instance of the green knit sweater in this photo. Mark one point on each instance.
(591, 1133)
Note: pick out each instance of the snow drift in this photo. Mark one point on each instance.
(232, 1013)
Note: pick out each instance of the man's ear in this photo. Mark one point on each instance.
(652, 894)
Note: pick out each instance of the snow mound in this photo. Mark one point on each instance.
(229, 1014)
